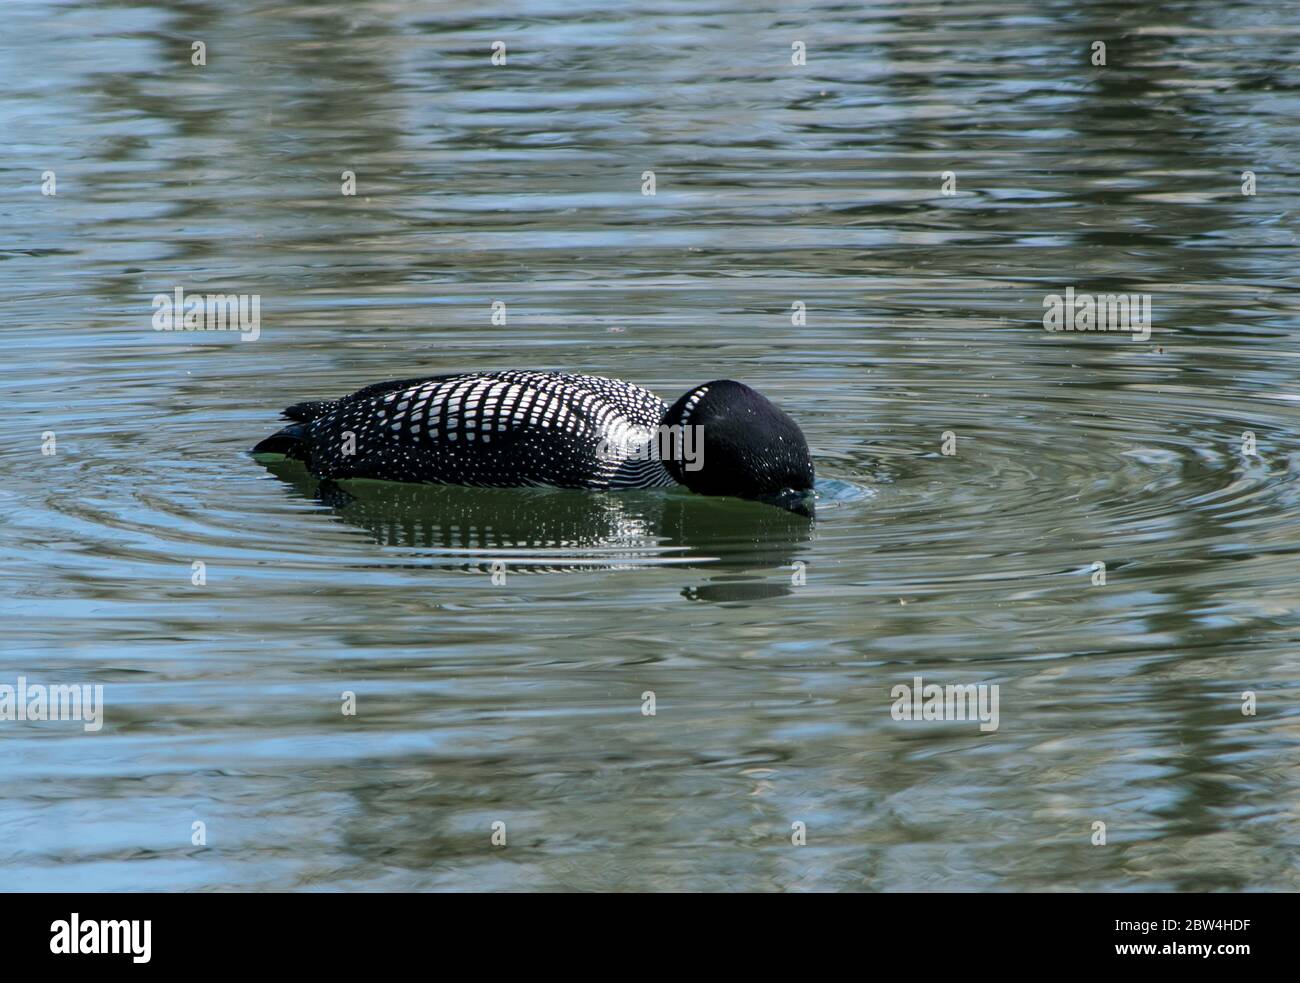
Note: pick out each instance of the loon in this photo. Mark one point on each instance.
(512, 429)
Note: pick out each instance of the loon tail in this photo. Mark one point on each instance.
(290, 442)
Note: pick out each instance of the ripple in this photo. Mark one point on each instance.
(765, 640)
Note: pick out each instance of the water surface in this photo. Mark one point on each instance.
(770, 645)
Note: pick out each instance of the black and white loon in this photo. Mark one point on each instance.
(518, 428)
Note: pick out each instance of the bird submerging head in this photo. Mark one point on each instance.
(519, 428)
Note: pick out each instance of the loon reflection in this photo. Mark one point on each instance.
(546, 530)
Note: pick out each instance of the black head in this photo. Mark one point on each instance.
(744, 446)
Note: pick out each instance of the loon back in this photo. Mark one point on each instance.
(487, 429)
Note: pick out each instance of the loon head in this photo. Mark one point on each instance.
(735, 441)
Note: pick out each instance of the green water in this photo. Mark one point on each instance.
(770, 646)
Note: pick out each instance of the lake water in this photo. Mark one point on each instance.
(769, 647)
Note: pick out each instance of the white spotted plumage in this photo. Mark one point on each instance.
(496, 429)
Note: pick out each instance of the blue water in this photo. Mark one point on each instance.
(770, 646)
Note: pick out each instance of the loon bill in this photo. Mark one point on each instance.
(519, 428)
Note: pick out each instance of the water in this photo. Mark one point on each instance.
(770, 646)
